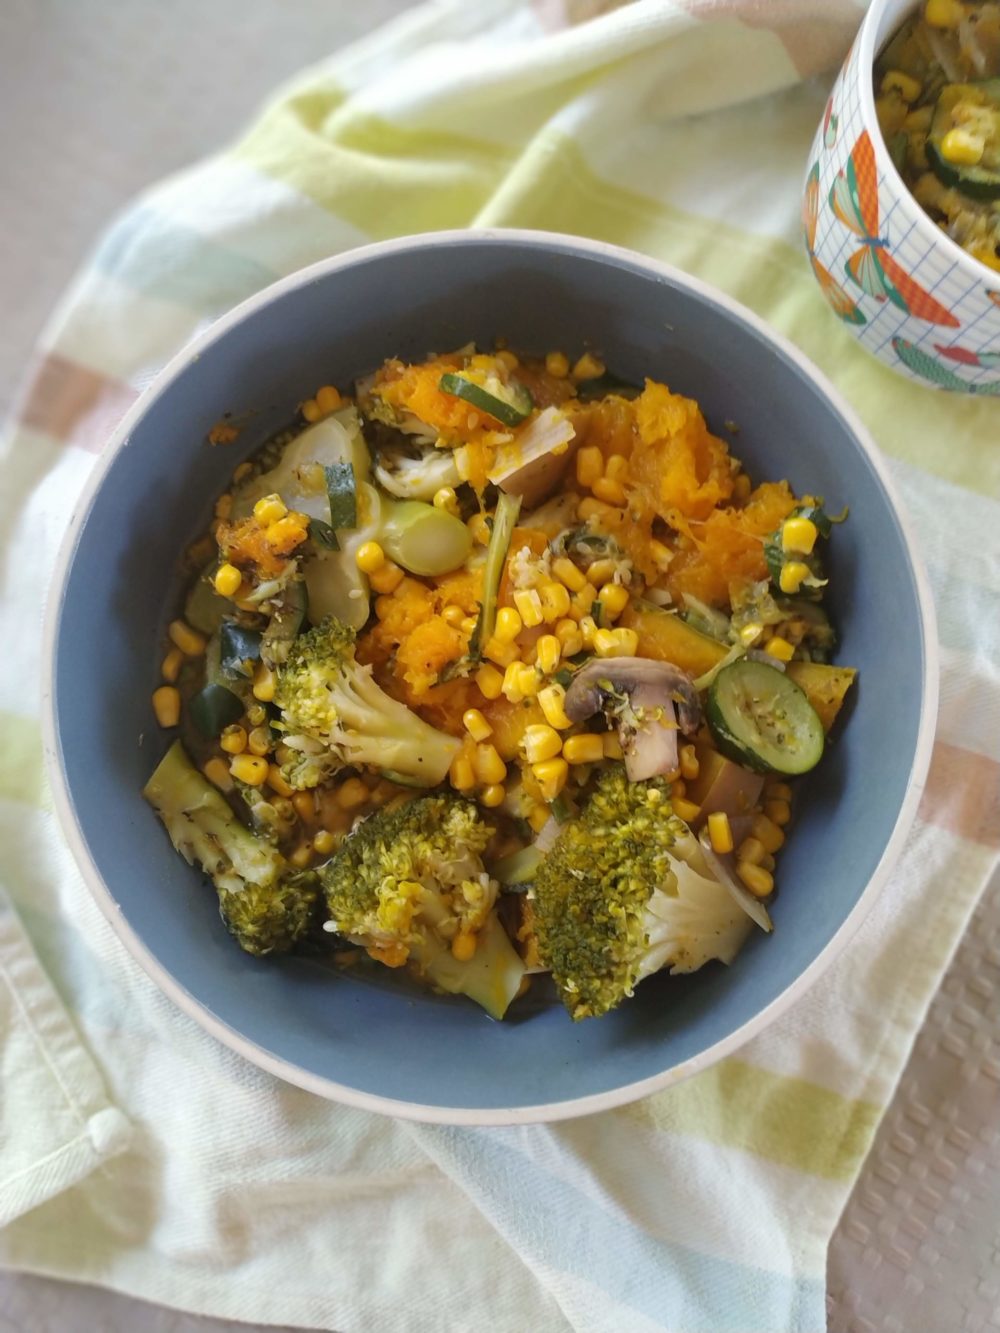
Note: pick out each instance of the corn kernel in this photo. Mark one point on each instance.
(277, 783)
(249, 768)
(612, 746)
(567, 573)
(461, 774)
(263, 684)
(793, 573)
(799, 534)
(585, 748)
(387, 577)
(528, 681)
(467, 624)
(310, 410)
(305, 804)
(259, 740)
(962, 147)
(584, 600)
(720, 833)
(479, 528)
(446, 499)
(768, 833)
(351, 793)
(767, 862)
(223, 506)
(685, 809)
(538, 817)
(301, 857)
(751, 851)
(780, 648)
(690, 767)
(610, 492)
(588, 628)
(489, 680)
(541, 742)
(529, 606)
(269, 509)
(555, 601)
(453, 615)
(170, 668)
(778, 812)
(565, 630)
(328, 399)
(552, 702)
(233, 739)
(778, 791)
(487, 764)
(476, 725)
(750, 633)
(589, 465)
(614, 599)
(661, 553)
(616, 642)
(894, 80)
(551, 775)
(217, 772)
(188, 640)
(463, 947)
(511, 687)
(227, 580)
(548, 652)
(503, 654)
(600, 572)
(508, 359)
(678, 787)
(557, 365)
(588, 367)
(508, 625)
(944, 13)
(324, 842)
(286, 533)
(369, 557)
(759, 881)
(167, 705)
(604, 513)
(492, 796)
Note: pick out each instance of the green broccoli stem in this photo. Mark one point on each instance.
(266, 905)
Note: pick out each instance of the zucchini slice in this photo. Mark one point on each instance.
(762, 719)
(510, 404)
(976, 107)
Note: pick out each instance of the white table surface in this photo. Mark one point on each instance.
(110, 95)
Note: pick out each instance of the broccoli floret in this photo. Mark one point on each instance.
(265, 904)
(410, 886)
(624, 892)
(327, 696)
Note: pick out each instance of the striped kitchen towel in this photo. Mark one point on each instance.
(135, 1151)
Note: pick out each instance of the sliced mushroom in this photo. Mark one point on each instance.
(647, 701)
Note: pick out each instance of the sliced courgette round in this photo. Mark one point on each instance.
(213, 708)
(761, 719)
(510, 404)
(975, 106)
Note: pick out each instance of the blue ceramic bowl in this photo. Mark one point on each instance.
(400, 1051)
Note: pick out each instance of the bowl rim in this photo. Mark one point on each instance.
(329, 1088)
(973, 268)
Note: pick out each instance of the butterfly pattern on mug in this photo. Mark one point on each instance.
(841, 301)
(854, 200)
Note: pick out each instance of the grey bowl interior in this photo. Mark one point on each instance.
(329, 326)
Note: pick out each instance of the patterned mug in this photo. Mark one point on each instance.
(907, 291)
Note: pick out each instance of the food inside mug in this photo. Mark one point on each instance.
(937, 96)
(501, 670)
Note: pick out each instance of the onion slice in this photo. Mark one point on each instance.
(753, 907)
